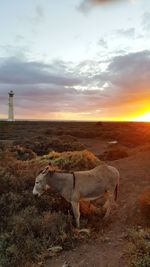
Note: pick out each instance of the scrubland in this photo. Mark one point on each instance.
(35, 229)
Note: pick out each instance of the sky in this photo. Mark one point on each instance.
(75, 59)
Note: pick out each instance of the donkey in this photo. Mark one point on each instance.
(81, 185)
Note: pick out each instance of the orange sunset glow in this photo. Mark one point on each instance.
(144, 117)
(75, 133)
(74, 70)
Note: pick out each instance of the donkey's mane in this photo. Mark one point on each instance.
(55, 171)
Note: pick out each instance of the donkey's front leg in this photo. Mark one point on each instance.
(76, 212)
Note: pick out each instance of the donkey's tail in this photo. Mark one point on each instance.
(116, 192)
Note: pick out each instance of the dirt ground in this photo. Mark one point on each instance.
(107, 249)
(97, 146)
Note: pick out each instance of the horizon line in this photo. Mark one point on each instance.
(39, 120)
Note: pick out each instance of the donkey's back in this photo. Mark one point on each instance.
(94, 183)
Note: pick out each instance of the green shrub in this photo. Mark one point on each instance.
(73, 161)
(138, 248)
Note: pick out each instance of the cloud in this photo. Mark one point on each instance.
(36, 18)
(55, 87)
(61, 87)
(19, 38)
(39, 12)
(16, 71)
(38, 15)
(88, 4)
(102, 43)
(130, 70)
(130, 32)
(146, 21)
(129, 79)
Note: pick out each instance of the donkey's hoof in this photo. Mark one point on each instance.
(85, 231)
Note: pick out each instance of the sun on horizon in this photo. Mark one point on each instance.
(144, 117)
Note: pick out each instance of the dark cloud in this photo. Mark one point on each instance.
(52, 99)
(15, 71)
(128, 77)
(130, 70)
(60, 87)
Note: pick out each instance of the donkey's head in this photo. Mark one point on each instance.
(41, 184)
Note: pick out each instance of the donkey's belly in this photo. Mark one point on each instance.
(92, 194)
(90, 198)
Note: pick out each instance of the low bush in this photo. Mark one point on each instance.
(144, 204)
(30, 227)
(22, 153)
(138, 248)
(39, 144)
(42, 145)
(73, 161)
(30, 235)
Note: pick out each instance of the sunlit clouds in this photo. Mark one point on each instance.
(86, 5)
(65, 65)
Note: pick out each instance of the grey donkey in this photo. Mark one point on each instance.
(81, 185)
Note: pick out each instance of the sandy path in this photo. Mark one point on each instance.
(96, 146)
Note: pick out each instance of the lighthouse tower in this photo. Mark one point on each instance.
(10, 106)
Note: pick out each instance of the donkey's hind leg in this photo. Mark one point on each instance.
(76, 212)
(107, 205)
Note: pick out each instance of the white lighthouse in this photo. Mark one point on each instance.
(10, 106)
